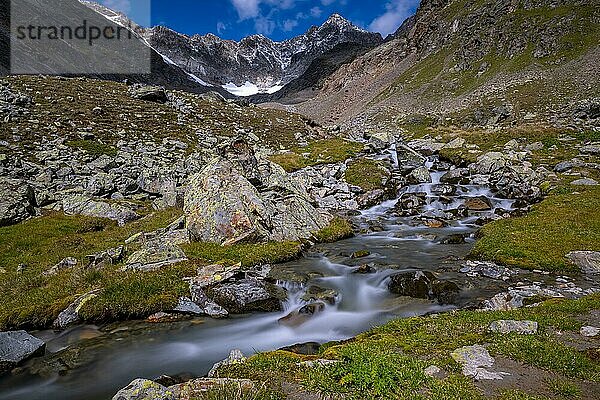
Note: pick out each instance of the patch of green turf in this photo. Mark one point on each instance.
(564, 388)
(543, 352)
(247, 254)
(540, 239)
(367, 174)
(338, 229)
(93, 147)
(319, 152)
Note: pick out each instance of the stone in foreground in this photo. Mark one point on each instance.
(510, 326)
(16, 347)
(474, 361)
(587, 261)
(144, 389)
(589, 331)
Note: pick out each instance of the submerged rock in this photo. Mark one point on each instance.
(248, 295)
(423, 285)
(300, 316)
(317, 293)
(16, 347)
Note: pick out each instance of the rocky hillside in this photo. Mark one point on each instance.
(472, 62)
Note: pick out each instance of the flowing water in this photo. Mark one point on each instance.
(109, 358)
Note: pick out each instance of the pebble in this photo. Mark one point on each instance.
(589, 331)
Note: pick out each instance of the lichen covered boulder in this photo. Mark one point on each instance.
(237, 199)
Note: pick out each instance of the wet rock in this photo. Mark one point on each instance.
(307, 349)
(410, 204)
(407, 156)
(65, 264)
(154, 255)
(163, 317)
(372, 198)
(480, 203)
(459, 176)
(443, 190)
(510, 326)
(364, 269)
(187, 306)
(587, 261)
(83, 205)
(17, 201)
(16, 347)
(148, 93)
(70, 315)
(248, 295)
(475, 361)
(412, 284)
(317, 293)
(360, 254)
(206, 304)
(487, 269)
(434, 223)
(426, 147)
(419, 175)
(445, 292)
(144, 389)
(300, 316)
(235, 357)
(454, 239)
(589, 331)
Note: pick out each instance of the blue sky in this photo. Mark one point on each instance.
(277, 19)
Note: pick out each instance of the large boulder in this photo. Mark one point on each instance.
(247, 295)
(423, 285)
(70, 315)
(16, 347)
(149, 93)
(236, 199)
(587, 261)
(17, 201)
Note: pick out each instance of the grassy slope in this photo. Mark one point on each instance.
(389, 361)
(541, 239)
(32, 300)
(319, 152)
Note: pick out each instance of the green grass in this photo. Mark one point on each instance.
(367, 174)
(235, 391)
(540, 240)
(389, 361)
(546, 353)
(319, 152)
(93, 147)
(338, 229)
(564, 388)
(247, 254)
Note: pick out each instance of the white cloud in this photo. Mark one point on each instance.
(289, 25)
(247, 9)
(118, 5)
(221, 27)
(316, 12)
(397, 12)
(264, 26)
